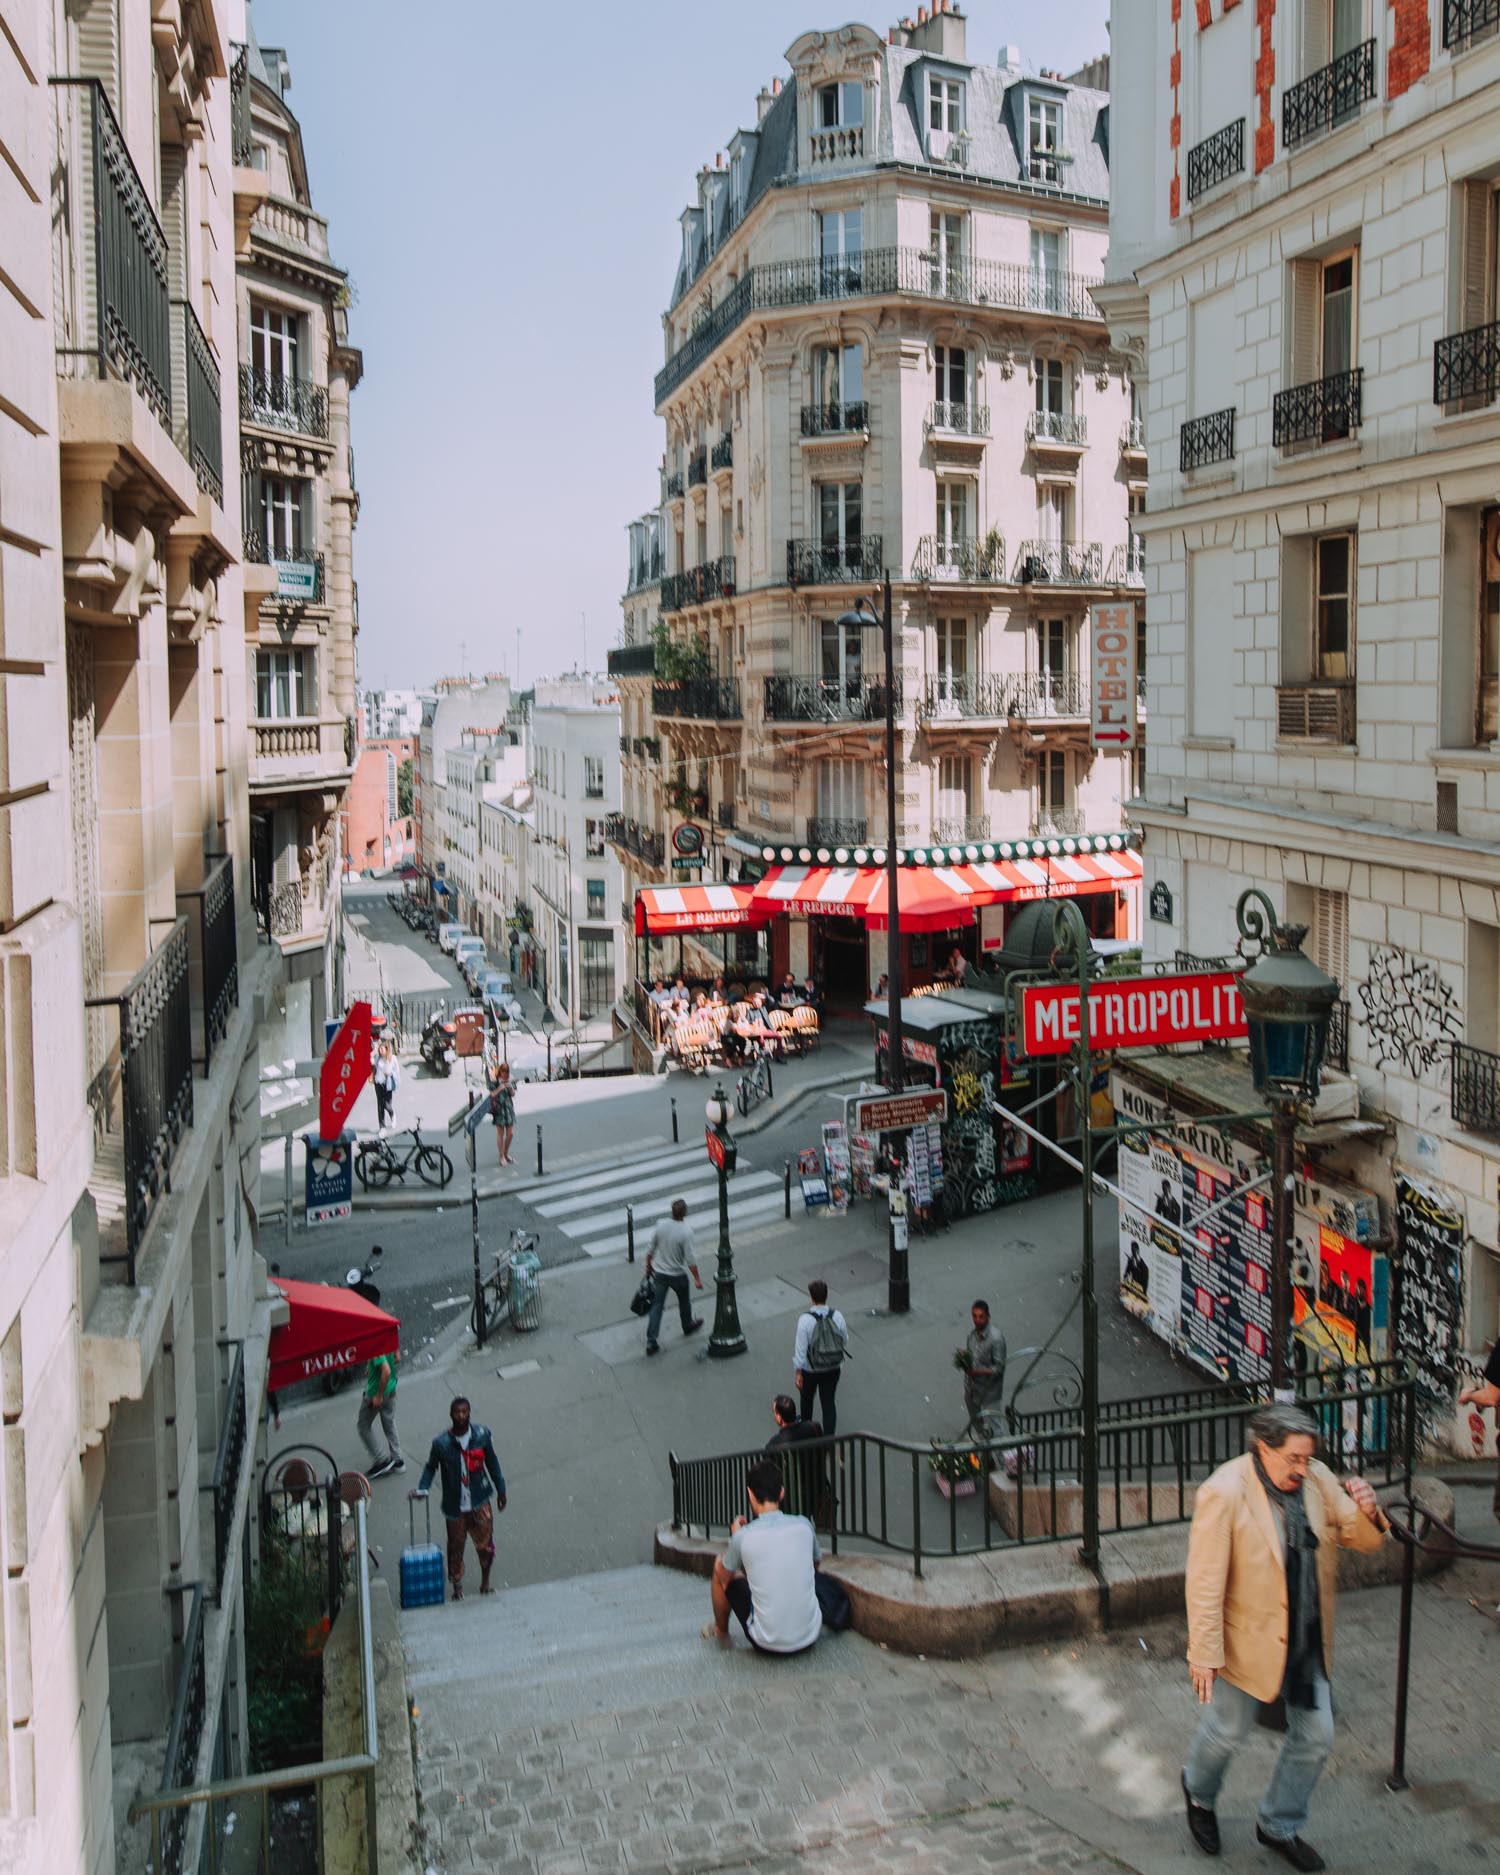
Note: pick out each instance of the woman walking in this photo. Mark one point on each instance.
(387, 1079)
(503, 1111)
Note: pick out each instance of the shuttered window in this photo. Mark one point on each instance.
(1330, 933)
(1481, 303)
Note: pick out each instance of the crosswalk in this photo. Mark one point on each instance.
(588, 1204)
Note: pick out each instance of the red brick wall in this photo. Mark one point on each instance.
(1411, 46)
(1265, 77)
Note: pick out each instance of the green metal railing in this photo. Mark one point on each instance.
(169, 1813)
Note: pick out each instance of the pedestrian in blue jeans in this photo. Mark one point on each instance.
(672, 1258)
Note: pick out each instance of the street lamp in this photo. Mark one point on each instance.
(502, 1024)
(1289, 1003)
(549, 1022)
(727, 1337)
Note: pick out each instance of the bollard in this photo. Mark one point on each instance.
(770, 1085)
(789, 1188)
(674, 1119)
(630, 1233)
(286, 1212)
(539, 1149)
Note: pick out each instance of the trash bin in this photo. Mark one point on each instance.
(525, 1290)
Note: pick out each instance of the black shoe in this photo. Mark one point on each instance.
(1203, 1825)
(380, 1468)
(694, 1325)
(651, 1347)
(1291, 1849)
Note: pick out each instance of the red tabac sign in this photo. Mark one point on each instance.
(346, 1068)
(1134, 1012)
(715, 1147)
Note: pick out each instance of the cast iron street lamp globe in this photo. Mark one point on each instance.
(717, 1109)
(1289, 1003)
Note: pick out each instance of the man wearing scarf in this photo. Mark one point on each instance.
(1262, 1577)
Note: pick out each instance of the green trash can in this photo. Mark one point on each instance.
(525, 1290)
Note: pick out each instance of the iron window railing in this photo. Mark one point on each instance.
(726, 814)
(156, 1078)
(853, 562)
(1467, 365)
(1050, 693)
(1058, 823)
(1203, 440)
(632, 661)
(260, 551)
(185, 1736)
(218, 957)
(1475, 1088)
(1133, 437)
(125, 310)
(827, 830)
(1065, 562)
(241, 145)
(959, 419)
(697, 468)
(1216, 159)
(723, 453)
(204, 437)
(674, 485)
(834, 419)
(940, 558)
(809, 699)
(229, 1464)
(1464, 21)
(716, 699)
(614, 829)
(1328, 97)
(955, 829)
(1058, 426)
(969, 693)
(281, 403)
(1325, 411)
(1127, 564)
(699, 584)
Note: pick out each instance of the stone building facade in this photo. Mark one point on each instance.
(882, 355)
(1307, 274)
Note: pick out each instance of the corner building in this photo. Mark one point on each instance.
(1306, 272)
(882, 354)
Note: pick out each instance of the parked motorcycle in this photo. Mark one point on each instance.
(437, 1049)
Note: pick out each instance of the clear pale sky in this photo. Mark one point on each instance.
(503, 184)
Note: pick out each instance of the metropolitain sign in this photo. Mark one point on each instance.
(1134, 1012)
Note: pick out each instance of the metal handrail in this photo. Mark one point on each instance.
(218, 952)
(228, 1463)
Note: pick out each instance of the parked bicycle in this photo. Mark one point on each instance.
(377, 1161)
(754, 1085)
(497, 1284)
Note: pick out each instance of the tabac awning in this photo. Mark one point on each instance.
(661, 909)
(329, 1328)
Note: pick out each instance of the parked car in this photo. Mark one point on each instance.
(449, 934)
(494, 985)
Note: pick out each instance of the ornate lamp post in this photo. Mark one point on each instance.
(1288, 1002)
(727, 1337)
(502, 1023)
(549, 1023)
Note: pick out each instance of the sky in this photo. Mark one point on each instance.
(503, 185)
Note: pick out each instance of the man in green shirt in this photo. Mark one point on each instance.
(380, 1400)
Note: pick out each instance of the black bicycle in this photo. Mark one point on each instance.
(377, 1161)
(497, 1283)
(754, 1085)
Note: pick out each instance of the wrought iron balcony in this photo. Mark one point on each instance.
(714, 699)
(688, 800)
(697, 468)
(632, 661)
(1058, 823)
(201, 439)
(835, 419)
(229, 1465)
(959, 419)
(969, 694)
(218, 957)
(954, 830)
(1325, 411)
(674, 485)
(1133, 437)
(648, 747)
(1474, 1075)
(650, 848)
(614, 829)
(1050, 695)
(265, 553)
(808, 699)
(699, 584)
(723, 452)
(858, 561)
(156, 1077)
(1127, 564)
(826, 830)
(1466, 366)
(241, 145)
(1058, 426)
(1464, 21)
(1064, 563)
(123, 322)
(1203, 440)
(726, 814)
(1330, 96)
(280, 403)
(1216, 159)
(980, 561)
(1316, 712)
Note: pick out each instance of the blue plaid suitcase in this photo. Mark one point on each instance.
(422, 1583)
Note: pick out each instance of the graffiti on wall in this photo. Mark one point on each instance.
(1410, 1011)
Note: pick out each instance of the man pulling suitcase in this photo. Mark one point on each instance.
(471, 1474)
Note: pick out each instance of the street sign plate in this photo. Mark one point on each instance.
(1134, 1012)
(1112, 707)
(891, 1113)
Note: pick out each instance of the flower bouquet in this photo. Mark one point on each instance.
(963, 1360)
(957, 1469)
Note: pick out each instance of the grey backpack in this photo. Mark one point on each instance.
(826, 1347)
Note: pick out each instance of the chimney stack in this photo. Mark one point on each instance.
(775, 87)
(762, 105)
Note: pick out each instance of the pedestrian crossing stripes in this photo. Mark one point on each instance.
(588, 1204)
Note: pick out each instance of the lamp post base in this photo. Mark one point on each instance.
(727, 1338)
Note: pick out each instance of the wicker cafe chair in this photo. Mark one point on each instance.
(805, 1022)
(784, 1031)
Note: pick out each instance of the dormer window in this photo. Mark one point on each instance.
(841, 106)
(945, 104)
(1043, 138)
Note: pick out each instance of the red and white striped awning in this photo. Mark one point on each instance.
(1059, 875)
(665, 908)
(940, 898)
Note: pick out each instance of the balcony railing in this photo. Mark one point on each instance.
(648, 748)
(125, 324)
(1330, 96)
(1466, 366)
(688, 800)
(1464, 21)
(674, 485)
(826, 830)
(204, 436)
(632, 661)
(1203, 440)
(185, 1737)
(939, 558)
(156, 1078)
(241, 145)
(723, 453)
(699, 584)
(790, 699)
(1127, 564)
(1059, 823)
(1216, 159)
(1133, 437)
(280, 403)
(1474, 1081)
(229, 1463)
(955, 829)
(716, 699)
(1064, 563)
(304, 564)
(288, 739)
(959, 419)
(614, 829)
(649, 848)
(697, 468)
(218, 958)
(1324, 411)
(1050, 694)
(1316, 712)
(835, 419)
(911, 271)
(726, 814)
(1057, 426)
(857, 561)
(971, 693)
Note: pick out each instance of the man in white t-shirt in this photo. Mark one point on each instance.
(768, 1572)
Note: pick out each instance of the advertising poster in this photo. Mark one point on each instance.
(1150, 1257)
(861, 1162)
(921, 1169)
(810, 1176)
(836, 1162)
(1430, 1234)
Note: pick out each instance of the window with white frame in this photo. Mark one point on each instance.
(840, 654)
(840, 247)
(283, 685)
(953, 507)
(1046, 270)
(951, 385)
(954, 775)
(945, 104)
(594, 896)
(1052, 782)
(946, 252)
(1054, 514)
(1043, 138)
(950, 653)
(284, 504)
(275, 342)
(841, 106)
(593, 839)
(1052, 398)
(840, 520)
(838, 378)
(841, 798)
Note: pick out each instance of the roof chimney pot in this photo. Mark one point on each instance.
(921, 16)
(775, 87)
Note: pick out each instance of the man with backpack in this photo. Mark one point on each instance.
(818, 1358)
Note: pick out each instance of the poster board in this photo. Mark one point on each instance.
(836, 1164)
(861, 1162)
(1430, 1236)
(810, 1176)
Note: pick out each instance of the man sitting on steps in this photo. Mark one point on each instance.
(767, 1574)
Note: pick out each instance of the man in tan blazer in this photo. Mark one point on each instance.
(1262, 1579)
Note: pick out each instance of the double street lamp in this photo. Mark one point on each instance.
(727, 1338)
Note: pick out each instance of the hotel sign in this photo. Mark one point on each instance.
(1134, 1012)
(1112, 713)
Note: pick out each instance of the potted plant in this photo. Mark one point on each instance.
(957, 1469)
